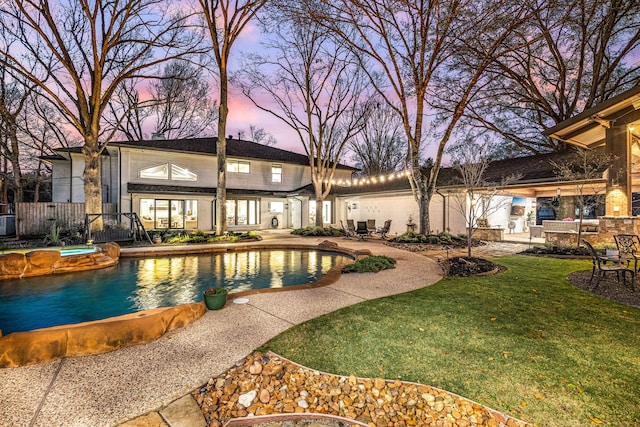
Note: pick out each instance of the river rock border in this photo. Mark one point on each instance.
(261, 385)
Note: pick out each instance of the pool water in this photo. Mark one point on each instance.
(136, 284)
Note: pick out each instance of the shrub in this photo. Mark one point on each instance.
(318, 231)
(373, 263)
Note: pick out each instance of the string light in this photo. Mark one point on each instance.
(380, 179)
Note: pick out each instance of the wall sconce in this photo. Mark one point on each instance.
(616, 208)
(354, 206)
(286, 205)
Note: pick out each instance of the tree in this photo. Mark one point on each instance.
(259, 136)
(480, 199)
(181, 102)
(573, 55)
(79, 53)
(585, 171)
(13, 97)
(178, 100)
(313, 86)
(225, 22)
(411, 43)
(381, 146)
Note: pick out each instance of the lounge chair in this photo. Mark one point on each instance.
(371, 226)
(361, 230)
(384, 230)
(348, 232)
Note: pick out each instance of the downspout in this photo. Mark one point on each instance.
(70, 178)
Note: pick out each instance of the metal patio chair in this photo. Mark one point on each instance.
(628, 246)
(603, 265)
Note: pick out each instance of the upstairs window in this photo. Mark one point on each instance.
(182, 174)
(276, 173)
(156, 172)
(168, 171)
(238, 166)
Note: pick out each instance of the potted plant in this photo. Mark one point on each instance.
(215, 298)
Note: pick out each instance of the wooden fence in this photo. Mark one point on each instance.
(33, 219)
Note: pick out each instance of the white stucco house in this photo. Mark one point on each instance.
(171, 184)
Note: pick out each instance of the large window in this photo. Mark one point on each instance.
(243, 212)
(326, 212)
(167, 213)
(168, 171)
(276, 173)
(238, 166)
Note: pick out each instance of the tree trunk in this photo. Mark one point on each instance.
(92, 184)
(221, 152)
(18, 192)
(319, 206)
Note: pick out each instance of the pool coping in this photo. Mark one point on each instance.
(101, 336)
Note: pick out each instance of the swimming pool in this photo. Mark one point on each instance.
(137, 284)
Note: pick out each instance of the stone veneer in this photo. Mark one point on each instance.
(17, 265)
(608, 227)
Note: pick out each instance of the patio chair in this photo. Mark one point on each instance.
(604, 265)
(361, 230)
(348, 232)
(371, 226)
(384, 230)
(628, 246)
(351, 225)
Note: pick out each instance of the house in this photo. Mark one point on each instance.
(171, 184)
(535, 196)
(613, 125)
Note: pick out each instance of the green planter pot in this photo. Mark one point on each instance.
(215, 301)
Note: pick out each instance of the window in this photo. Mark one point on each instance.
(164, 213)
(326, 212)
(238, 166)
(243, 212)
(276, 207)
(182, 174)
(156, 172)
(276, 173)
(168, 171)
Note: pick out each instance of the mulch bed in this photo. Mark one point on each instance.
(608, 287)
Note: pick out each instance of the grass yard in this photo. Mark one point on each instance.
(524, 342)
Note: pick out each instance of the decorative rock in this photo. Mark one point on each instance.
(247, 399)
(292, 389)
(255, 368)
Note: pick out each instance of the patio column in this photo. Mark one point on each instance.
(618, 201)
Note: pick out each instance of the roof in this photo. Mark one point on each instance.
(209, 191)
(588, 128)
(235, 148)
(537, 169)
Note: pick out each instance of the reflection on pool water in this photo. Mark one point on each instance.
(137, 284)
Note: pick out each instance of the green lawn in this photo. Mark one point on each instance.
(524, 342)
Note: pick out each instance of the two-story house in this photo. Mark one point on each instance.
(171, 184)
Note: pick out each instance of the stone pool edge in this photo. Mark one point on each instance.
(101, 336)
